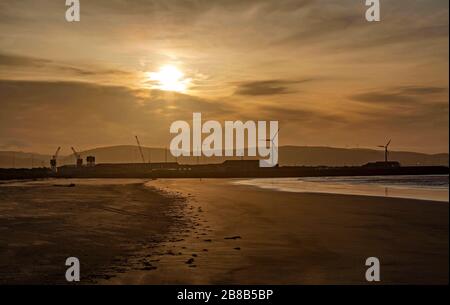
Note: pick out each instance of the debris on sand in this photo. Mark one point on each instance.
(189, 261)
(149, 268)
(102, 276)
(64, 185)
(233, 237)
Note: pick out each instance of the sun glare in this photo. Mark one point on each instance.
(169, 78)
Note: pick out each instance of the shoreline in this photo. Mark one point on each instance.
(211, 231)
(244, 236)
(253, 182)
(339, 186)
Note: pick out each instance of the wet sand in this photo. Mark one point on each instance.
(215, 232)
(247, 235)
(104, 225)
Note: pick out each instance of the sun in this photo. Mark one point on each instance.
(169, 78)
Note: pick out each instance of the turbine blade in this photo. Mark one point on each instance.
(276, 134)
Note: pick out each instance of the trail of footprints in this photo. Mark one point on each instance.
(189, 218)
(193, 223)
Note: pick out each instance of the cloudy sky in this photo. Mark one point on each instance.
(330, 77)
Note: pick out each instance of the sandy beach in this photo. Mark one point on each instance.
(103, 223)
(216, 232)
(247, 235)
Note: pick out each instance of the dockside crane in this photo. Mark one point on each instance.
(53, 164)
(140, 149)
(78, 158)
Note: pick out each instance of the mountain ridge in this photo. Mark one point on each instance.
(289, 155)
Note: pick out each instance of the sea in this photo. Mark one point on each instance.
(421, 187)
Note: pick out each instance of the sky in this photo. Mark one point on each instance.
(318, 67)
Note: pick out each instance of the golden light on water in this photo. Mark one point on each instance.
(169, 78)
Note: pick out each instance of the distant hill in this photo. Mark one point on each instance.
(289, 155)
(330, 156)
(17, 159)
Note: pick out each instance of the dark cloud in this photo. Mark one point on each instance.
(415, 118)
(55, 113)
(304, 116)
(17, 61)
(384, 98)
(22, 61)
(268, 87)
(424, 107)
(407, 95)
(422, 90)
(113, 103)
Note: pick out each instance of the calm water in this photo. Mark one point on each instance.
(429, 187)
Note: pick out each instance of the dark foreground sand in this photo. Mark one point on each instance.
(219, 233)
(102, 225)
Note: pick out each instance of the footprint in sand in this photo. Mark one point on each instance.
(233, 237)
(149, 268)
(189, 261)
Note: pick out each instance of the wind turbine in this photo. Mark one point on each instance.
(272, 140)
(385, 150)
